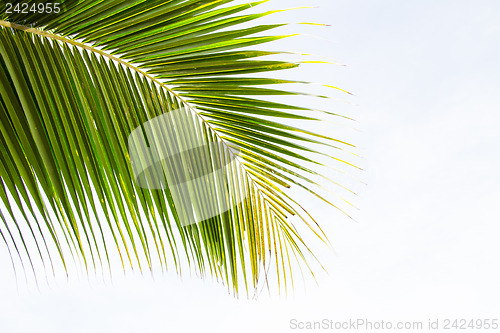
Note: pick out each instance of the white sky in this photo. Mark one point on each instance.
(426, 80)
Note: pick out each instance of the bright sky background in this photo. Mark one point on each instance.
(425, 244)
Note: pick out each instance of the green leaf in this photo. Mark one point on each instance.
(67, 112)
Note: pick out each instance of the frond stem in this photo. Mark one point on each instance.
(118, 60)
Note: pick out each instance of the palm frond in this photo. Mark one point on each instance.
(75, 85)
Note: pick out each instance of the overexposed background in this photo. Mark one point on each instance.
(425, 244)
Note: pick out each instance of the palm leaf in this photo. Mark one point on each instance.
(75, 85)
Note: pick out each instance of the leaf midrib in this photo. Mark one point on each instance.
(119, 60)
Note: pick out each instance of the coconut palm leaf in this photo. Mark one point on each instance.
(80, 89)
